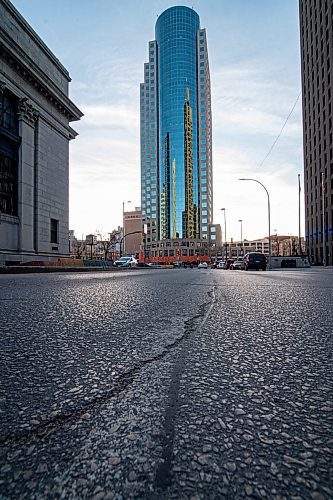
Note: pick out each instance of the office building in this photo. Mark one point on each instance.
(317, 67)
(176, 139)
(35, 113)
(132, 225)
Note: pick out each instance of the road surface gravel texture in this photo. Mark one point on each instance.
(167, 384)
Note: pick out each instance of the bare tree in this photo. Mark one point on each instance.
(79, 248)
(107, 242)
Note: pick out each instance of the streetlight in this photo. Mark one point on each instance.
(241, 222)
(225, 234)
(269, 220)
(129, 201)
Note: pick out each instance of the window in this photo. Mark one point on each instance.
(8, 184)
(54, 230)
(9, 144)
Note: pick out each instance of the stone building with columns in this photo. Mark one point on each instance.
(35, 112)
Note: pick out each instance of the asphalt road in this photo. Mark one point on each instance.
(166, 384)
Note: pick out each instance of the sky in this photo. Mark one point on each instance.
(254, 57)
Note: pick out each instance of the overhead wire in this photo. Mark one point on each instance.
(279, 134)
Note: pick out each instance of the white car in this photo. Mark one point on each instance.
(125, 262)
(203, 265)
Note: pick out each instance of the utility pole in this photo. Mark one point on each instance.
(225, 234)
(241, 222)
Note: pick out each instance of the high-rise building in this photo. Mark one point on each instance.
(317, 57)
(176, 139)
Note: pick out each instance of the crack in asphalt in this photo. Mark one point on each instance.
(163, 475)
(123, 381)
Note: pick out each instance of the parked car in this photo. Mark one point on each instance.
(237, 264)
(220, 265)
(126, 262)
(203, 265)
(254, 260)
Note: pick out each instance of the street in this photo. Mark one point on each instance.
(179, 383)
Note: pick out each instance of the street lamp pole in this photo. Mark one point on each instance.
(299, 216)
(129, 201)
(269, 219)
(225, 234)
(241, 222)
(323, 221)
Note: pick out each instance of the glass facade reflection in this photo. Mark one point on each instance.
(176, 159)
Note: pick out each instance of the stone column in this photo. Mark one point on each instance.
(26, 176)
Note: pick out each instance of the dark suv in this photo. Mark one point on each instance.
(254, 260)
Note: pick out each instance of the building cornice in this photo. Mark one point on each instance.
(26, 67)
(33, 35)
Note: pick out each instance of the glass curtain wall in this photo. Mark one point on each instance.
(176, 35)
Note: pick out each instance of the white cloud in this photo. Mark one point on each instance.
(104, 170)
(110, 116)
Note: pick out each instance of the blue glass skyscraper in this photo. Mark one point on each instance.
(176, 138)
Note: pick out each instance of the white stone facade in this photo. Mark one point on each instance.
(33, 227)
